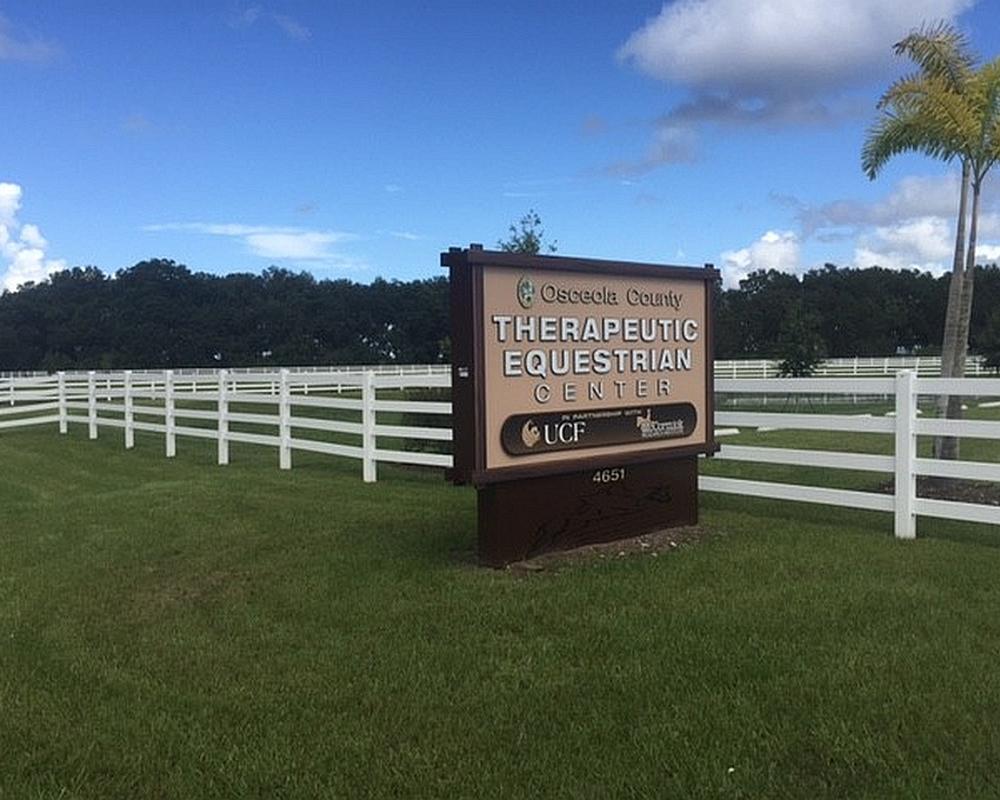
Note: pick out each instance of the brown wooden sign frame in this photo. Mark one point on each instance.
(466, 268)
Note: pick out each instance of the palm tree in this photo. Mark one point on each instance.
(948, 110)
(941, 51)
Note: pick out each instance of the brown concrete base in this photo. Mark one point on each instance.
(523, 518)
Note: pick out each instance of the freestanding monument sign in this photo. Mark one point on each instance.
(582, 396)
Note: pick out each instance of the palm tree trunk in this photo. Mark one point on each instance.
(954, 410)
(968, 284)
(948, 444)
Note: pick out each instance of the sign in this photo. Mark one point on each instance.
(561, 364)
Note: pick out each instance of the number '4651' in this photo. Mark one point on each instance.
(609, 475)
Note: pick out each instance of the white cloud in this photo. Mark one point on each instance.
(244, 17)
(916, 196)
(913, 197)
(927, 237)
(762, 49)
(274, 242)
(292, 28)
(10, 202)
(773, 62)
(777, 250)
(988, 253)
(22, 247)
(672, 144)
(249, 16)
(302, 245)
(913, 227)
(925, 243)
(16, 47)
(32, 237)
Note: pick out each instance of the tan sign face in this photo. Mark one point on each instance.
(585, 364)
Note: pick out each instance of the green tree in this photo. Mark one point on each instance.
(753, 315)
(989, 347)
(800, 347)
(527, 236)
(949, 109)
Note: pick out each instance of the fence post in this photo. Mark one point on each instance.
(170, 413)
(368, 426)
(63, 415)
(129, 411)
(906, 453)
(223, 412)
(91, 405)
(284, 423)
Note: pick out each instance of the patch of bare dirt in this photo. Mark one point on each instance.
(961, 491)
(981, 492)
(650, 545)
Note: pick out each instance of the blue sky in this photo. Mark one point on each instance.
(361, 139)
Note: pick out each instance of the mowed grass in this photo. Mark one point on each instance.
(176, 629)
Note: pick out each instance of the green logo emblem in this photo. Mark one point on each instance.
(525, 292)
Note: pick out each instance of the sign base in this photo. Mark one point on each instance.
(520, 519)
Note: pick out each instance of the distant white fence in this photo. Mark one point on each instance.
(21, 374)
(924, 366)
(367, 416)
(858, 367)
(270, 372)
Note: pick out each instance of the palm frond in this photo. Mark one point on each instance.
(944, 114)
(939, 49)
(947, 109)
(987, 96)
(901, 87)
(893, 135)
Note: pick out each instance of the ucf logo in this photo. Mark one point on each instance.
(552, 433)
(530, 433)
(525, 292)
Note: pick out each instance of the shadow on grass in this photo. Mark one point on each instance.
(782, 513)
(959, 532)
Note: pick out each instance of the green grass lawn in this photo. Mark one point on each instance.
(176, 629)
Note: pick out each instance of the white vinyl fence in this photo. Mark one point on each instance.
(376, 418)
(903, 423)
(863, 367)
(857, 367)
(335, 413)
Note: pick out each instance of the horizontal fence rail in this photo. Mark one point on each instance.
(402, 415)
(848, 367)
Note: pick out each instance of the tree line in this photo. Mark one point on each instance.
(160, 314)
(843, 312)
